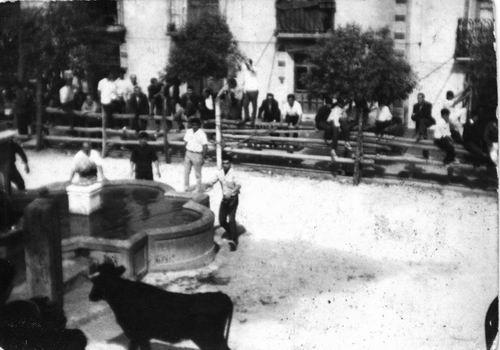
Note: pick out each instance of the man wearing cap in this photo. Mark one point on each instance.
(142, 159)
(196, 149)
(87, 163)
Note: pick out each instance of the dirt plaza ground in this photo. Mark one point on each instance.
(325, 265)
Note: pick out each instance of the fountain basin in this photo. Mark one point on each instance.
(142, 225)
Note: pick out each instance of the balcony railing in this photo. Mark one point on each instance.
(304, 16)
(470, 32)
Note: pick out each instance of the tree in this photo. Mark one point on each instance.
(54, 37)
(355, 63)
(483, 68)
(203, 48)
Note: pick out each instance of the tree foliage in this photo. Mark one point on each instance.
(483, 70)
(203, 48)
(357, 64)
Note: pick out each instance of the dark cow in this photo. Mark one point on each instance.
(145, 312)
(491, 323)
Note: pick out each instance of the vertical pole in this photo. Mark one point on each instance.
(39, 113)
(104, 135)
(218, 133)
(166, 129)
(359, 150)
(44, 275)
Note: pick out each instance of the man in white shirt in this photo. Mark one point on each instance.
(107, 95)
(87, 163)
(251, 88)
(292, 112)
(124, 90)
(196, 143)
(442, 136)
(383, 120)
(66, 97)
(227, 210)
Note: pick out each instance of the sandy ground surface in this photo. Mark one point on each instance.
(324, 265)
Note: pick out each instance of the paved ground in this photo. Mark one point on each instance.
(324, 265)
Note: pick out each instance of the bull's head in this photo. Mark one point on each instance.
(101, 276)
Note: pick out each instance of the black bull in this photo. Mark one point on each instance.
(146, 312)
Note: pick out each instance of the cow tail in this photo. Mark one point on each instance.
(229, 319)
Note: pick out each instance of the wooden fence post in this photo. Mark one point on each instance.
(44, 275)
(104, 135)
(359, 151)
(39, 113)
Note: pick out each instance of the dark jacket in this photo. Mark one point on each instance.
(422, 111)
(190, 103)
(140, 106)
(269, 110)
(322, 116)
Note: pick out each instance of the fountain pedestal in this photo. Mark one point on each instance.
(84, 199)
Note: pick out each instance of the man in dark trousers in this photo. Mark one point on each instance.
(142, 158)
(322, 117)
(227, 210)
(15, 176)
(138, 104)
(422, 116)
(269, 110)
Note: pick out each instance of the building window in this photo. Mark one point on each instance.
(399, 36)
(305, 16)
(400, 18)
(200, 8)
(485, 10)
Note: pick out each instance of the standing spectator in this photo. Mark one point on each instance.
(138, 104)
(189, 103)
(22, 109)
(124, 89)
(269, 110)
(87, 163)
(172, 95)
(321, 118)
(142, 159)
(251, 88)
(207, 106)
(384, 119)
(66, 97)
(196, 149)
(442, 136)
(232, 95)
(422, 116)
(15, 176)
(333, 125)
(293, 113)
(457, 115)
(227, 210)
(107, 95)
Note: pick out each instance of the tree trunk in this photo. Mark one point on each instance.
(20, 58)
(39, 113)
(359, 150)
(104, 135)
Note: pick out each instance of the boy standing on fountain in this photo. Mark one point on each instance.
(142, 159)
(227, 210)
(87, 163)
(196, 149)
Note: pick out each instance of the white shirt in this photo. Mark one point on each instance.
(195, 140)
(442, 129)
(228, 182)
(295, 109)
(209, 103)
(107, 89)
(82, 162)
(251, 81)
(335, 115)
(384, 114)
(124, 88)
(66, 94)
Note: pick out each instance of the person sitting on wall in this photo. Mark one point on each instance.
(142, 159)
(138, 104)
(269, 110)
(322, 117)
(442, 136)
(384, 119)
(87, 163)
